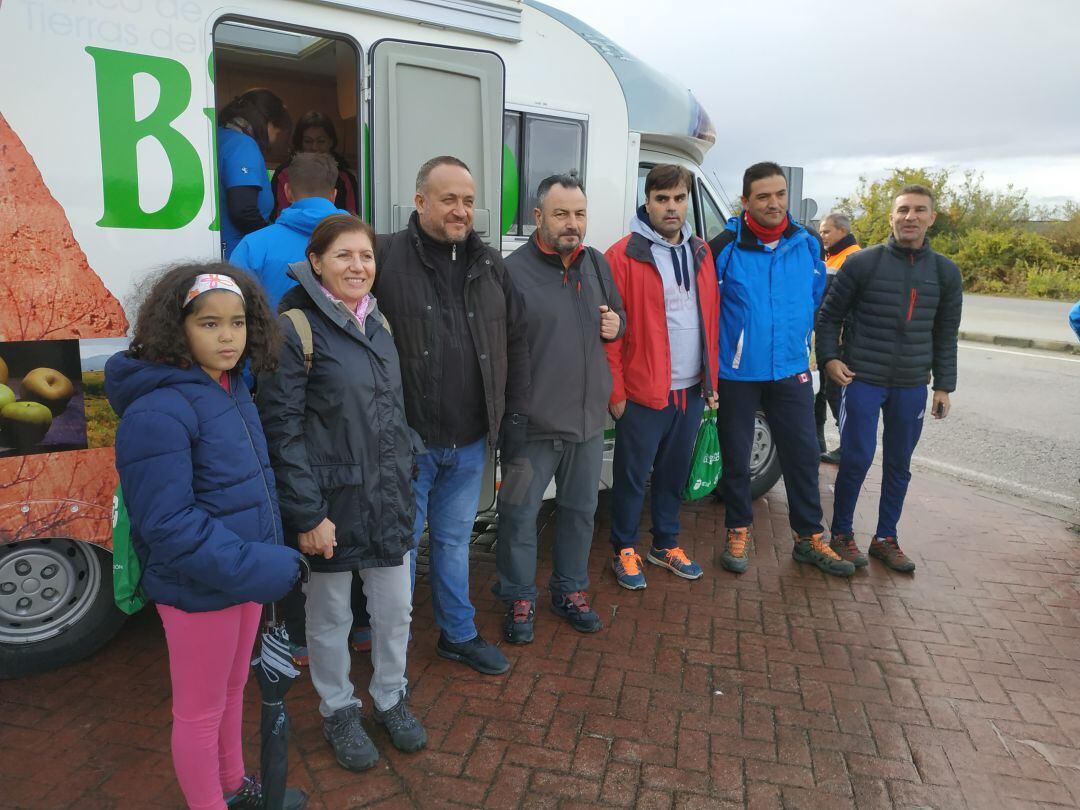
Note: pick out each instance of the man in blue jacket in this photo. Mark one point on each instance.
(772, 278)
(267, 253)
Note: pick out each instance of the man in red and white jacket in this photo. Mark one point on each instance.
(664, 368)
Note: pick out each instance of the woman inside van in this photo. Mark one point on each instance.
(315, 132)
(248, 126)
(343, 457)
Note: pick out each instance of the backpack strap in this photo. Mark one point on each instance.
(302, 325)
(599, 277)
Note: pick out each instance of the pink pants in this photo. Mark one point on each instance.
(209, 660)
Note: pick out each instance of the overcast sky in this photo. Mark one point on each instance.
(850, 87)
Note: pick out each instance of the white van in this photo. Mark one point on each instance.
(107, 171)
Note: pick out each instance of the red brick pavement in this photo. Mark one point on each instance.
(782, 688)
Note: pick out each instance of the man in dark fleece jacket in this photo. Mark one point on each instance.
(900, 306)
(571, 307)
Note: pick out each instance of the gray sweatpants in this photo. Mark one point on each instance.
(329, 621)
(576, 467)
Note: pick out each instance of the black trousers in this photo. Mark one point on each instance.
(787, 407)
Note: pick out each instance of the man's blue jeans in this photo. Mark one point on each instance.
(447, 495)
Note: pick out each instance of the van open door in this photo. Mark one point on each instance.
(429, 100)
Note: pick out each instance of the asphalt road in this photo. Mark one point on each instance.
(1017, 317)
(1014, 426)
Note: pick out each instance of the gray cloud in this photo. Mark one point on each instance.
(991, 85)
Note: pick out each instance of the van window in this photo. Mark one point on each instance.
(316, 76)
(712, 219)
(541, 145)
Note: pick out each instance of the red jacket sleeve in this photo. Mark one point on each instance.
(616, 258)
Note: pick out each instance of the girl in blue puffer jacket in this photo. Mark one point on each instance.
(204, 518)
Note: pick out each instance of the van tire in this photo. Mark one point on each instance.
(88, 619)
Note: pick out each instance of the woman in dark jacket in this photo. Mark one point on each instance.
(343, 456)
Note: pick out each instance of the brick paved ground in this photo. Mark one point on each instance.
(958, 687)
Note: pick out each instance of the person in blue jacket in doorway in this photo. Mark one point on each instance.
(267, 253)
(772, 277)
(248, 126)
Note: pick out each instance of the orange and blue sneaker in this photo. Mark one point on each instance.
(736, 556)
(814, 550)
(675, 561)
(888, 551)
(627, 568)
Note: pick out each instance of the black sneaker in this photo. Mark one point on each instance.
(476, 653)
(250, 797)
(405, 730)
(518, 627)
(832, 457)
(574, 607)
(352, 746)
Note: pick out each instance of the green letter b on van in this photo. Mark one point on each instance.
(121, 132)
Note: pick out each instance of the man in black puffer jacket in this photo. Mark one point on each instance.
(460, 332)
(900, 307)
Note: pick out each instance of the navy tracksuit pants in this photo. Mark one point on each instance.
(903, 410)
(658, 440)
(789, 408)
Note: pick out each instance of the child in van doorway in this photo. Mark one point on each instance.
(204, 518)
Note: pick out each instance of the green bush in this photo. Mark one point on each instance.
(1061, 282)
(998, 261)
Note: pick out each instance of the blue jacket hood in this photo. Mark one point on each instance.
(303, 215)
(128, 378)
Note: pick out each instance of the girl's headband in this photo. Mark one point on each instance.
(208, 282)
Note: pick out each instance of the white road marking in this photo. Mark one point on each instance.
(984, 348)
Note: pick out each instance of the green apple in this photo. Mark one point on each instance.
(49, 387)
(3, 372)
(7, 396)
(25, 423)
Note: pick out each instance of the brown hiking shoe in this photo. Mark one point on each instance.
(888, 551)
(814, 550)
(845, 546)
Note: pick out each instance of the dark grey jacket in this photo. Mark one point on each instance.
(571, 378)
(900, 310)
(337, 436)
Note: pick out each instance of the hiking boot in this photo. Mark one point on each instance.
(675, 561)
(360, 640)
(353, 748)
(250, 796)
(832, 457)
(405, 730)
(627, 568)
(845, 546)
(887, 550)
(574, 607)
(814, 550)
(736, 554)
(299, 654)
(476, 653)
(518, 627)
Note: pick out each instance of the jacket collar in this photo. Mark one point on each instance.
(906, 252)
(748, 241)
(840, 245)
(473, 245)
(310, 289)
(639, 248)
(550, 256)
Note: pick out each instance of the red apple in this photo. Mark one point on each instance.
(49, 387)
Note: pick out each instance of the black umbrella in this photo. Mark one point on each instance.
(275, 671)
